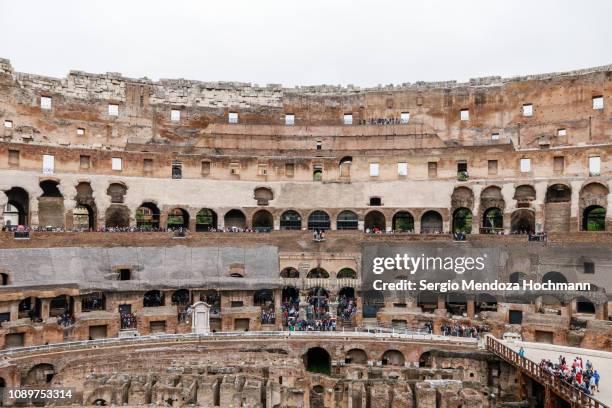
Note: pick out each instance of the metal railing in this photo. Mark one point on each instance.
(561, 388)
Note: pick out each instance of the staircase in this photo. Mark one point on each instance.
(573, 396)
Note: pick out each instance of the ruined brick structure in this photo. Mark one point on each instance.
(496, 159)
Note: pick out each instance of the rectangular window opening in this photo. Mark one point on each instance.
(232, 117)
(113, 109)
(117, 164)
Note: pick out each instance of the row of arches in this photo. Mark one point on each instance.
(317, 273)
(318, 360)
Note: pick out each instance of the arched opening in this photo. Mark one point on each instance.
(347, 304)
(206, 220)
(517, 277)
(264, 298)
(16, 212)
(84, 199)
(550, 305)
(317, 273)
(374, 221)
(263, 221)
(50, 205)
(524, 195)
(485, 302)
(235, 220)
(347, 220)
(557, 208)
(393, 358)
(462, 197)
(318, 304)
(290, 273)
(584, 305)
(373, 301)
(153, 298)
(554, 277)
(317, 360)
(40, 374)
(117, 216)
(425, 359)
(290, 305)
(181, 297)
(319, 220)
(345, 166)
(523, 222)
(431, 223)
(356, 356)
(456, 304)
(117, 192)
(61, 305)
(178, 218)
(30, 307)
(427, 301)
(492, 221)
(100, 402)
(213, 299)
(93, 301)
(317, 397)
(403, 221)
(263, 195)
(147, 216)
(291, 220)
(594, 218)
(346, 273)
(462, 221)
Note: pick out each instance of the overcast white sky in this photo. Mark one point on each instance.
(306, 42)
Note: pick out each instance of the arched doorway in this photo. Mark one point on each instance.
(346, 273)
(181, 297)
(523, 222)
(147, 216)
(235, 220)
(153, 298)
(557, 208)
(431, 223)
(178, 218)
(16, 212)
(584, 305)
(393, 358)
(374, 221)
(318, 273)
(263, 221)
(462, 221)
(51, 205)
(30, 307)
(492, 221)
(594, 218)
(347, 220)
(117, 216)
(40, 374)
(317, 360)
(206, 220)
(291, 220)
(554, 277)
(290, 273)
(319, 220)
(403, 221)
(84, 199)
(347, 304)
(356, 356)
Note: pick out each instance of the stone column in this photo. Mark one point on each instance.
(14, 310)
(471, 308)
(77, 306)
(33, 212)
(575, 216)
(3, 202)
(417, 224)
(601, 311)
(277, 308)
(476, 210)
(45, 305)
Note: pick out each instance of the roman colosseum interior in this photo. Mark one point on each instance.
(127, 204)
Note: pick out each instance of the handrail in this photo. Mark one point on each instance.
(564, 390)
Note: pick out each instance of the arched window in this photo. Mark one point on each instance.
(492, 221)
(181, 297)
(317, 360)
(594, 218)
(178, 218)
(235, 219)
(403, 221)
(554, 277)
(206, 220)
(16, 211)
(393, 358)
(263, 221)
(291, 220)
(431, 223)
(374, 221)
(318, 273)
(346, 273)
(462, 221)
(319, 220)
(147, 216)
(347, 220)
(290, 273)
(153, 298)
(523, 222)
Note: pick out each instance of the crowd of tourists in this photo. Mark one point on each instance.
(268, 315)
(65, 319)
(579, 375)
(382, 121)
(319, 235)
(128, 320)
(347, 307)
(464, 330)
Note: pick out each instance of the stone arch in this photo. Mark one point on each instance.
(178, 218)
(374, 220)
(17, 210)
(263, 220)
(584, 305)
(554, 277)
(85, 215)
(319, 220)
(51, 205)
(492, 221)
(347, 220)
(317, 360)
(491, 197)
(594, 218)
(318, 273)
(40, 374)
(153, 298)
(117, 192)
(425, 359)
(147, 216)
(206, 220)
(462, 197)
(462, 220)
(345, 166)
(235, 219)
(403, 221)
(593, 197)
(524, 195)
(431, 223)
(30, 307)
(290, 273)
(356, 356)
(394, 358)
(263, 195)
(61, 304)
(523, 221)
(346, 273)
(291, 220)
(117, 216)
(181, 297)
(557, 208)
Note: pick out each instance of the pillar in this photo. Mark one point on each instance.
(476, 211)
(471, 308)
(277, 308)
(3, 202)
(417, 224)
(45, 304)
(601, 311)
(192, 223)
